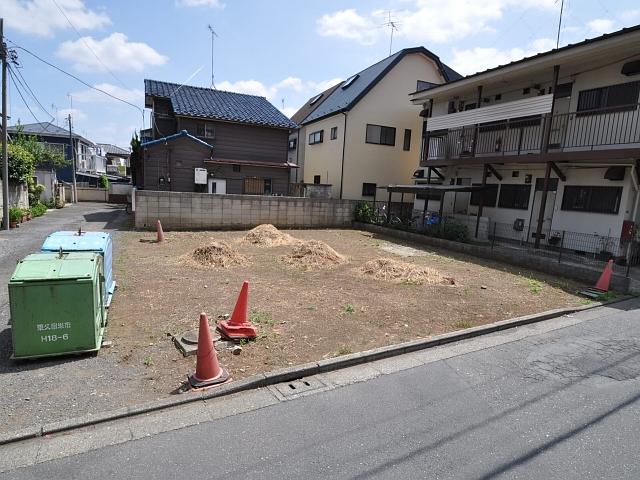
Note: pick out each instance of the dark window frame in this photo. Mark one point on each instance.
(317, 179)
(385, 135)
(593, 100)
(369, 189)
(236, 168)
(592, 199)
(514, 196)
(205, 130)
(293, 143)
(490, 195)
(334, 133)
(406, 142)
(314, 135)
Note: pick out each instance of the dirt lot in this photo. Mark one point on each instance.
(304, 313)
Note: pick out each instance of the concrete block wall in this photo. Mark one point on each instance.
(194, 211)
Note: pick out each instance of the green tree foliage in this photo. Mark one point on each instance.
(21, 163)
(44, 156)
(103, 181)
(136, 155)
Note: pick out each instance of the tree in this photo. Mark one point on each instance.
(43, 155)
(136, 156)
(21, 163)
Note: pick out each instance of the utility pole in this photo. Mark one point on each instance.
(5, 157)
(74, 191)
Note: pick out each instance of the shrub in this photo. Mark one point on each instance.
(454, 231)
(35, 190)
(15, 214)
(38, 209)
(103, 181)
(20, 163)
(364, 212)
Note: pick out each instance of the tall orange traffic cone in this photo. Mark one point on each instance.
(605, 279)
(159, 231)
(239, 327)
(208, 370)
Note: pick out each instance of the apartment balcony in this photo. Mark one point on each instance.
(533, 133)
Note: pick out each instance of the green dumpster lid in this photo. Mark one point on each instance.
(52, 266)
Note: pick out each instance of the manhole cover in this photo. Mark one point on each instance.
(191, 337)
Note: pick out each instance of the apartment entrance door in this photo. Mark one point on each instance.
(560, 116)
(548, 210)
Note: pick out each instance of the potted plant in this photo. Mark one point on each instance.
(15, 215)
(23, 211)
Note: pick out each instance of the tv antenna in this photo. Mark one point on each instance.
(559, 22)
(213, 36)
(393, 26)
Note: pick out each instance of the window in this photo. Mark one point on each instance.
(316, 98)
(592, 199)
(334, 133)
(54, 147)
(316, 179)
(498, 97)
(349, 81)
(205, 130)
(451, 108)
(624, 96)
(406, 144)
(470, 106)
(514, 196)
(316, 137)
(369, 189)
(381, 135)
(293, 143)
(490, 196)
(236, 168)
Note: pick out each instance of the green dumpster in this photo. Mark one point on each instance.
(57, 306)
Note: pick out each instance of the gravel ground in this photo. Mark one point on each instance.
(49, 390)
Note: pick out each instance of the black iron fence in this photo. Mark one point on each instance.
(586, 129)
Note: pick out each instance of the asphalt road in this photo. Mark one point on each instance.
(48, 390)
(550, 404)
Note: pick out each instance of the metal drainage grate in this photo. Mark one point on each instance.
(297, 387)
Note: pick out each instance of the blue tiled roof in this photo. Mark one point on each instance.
(342, 99)
(175, 136)
(219, 105)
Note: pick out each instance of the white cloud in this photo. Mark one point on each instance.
(115, 51)
(200, 3)
(252, 87)
(289, 111)
(135, 96)
(279, 89)
(42, 17)
(428, 21)
(321, 86)
(599, 26)
(478, 59)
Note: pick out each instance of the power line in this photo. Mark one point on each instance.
(78, 79)
(25, 85)
(15, 83)
(86, 44)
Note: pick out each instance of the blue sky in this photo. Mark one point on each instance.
(279, 49)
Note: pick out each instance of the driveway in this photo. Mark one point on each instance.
(32, 391)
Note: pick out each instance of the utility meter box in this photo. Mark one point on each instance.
(80, 241)
(57, 304)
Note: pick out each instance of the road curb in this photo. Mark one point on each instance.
(292, 373)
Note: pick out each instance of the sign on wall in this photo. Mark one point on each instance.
(200, 176)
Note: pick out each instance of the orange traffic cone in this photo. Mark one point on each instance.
(239, 327)
(208, 370)
(605, 279)
(159, 231)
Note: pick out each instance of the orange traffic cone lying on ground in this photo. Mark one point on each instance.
(605, 279)
(159, 231)
(208, 370)
(239, 327)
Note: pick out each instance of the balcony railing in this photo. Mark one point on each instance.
(585, 130)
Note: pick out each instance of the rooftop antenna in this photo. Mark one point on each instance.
(282, 103)
(213, 36)
(54, 108)
(559, 22)
(393, 26)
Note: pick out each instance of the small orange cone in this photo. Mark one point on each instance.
(605, 279)
(160, 232)
(239, 327)
(208, 370)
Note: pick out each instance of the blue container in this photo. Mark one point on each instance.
(80, 241)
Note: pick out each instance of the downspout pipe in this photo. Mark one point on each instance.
(634, 179)
(344, 143)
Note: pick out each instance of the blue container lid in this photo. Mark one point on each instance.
(72, 241)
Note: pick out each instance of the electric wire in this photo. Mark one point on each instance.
(15, 83)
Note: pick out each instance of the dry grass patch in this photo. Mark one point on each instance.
(267, 235)
(314, 253)
(403, 272)
(216, 255)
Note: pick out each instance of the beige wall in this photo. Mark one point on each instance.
(387, 105)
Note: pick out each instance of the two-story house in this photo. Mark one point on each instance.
(362, 133)
(207, 140)
(544, 145)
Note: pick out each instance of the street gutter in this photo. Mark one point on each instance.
(292, 373)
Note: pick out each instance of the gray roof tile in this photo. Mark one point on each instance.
(219, 105)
